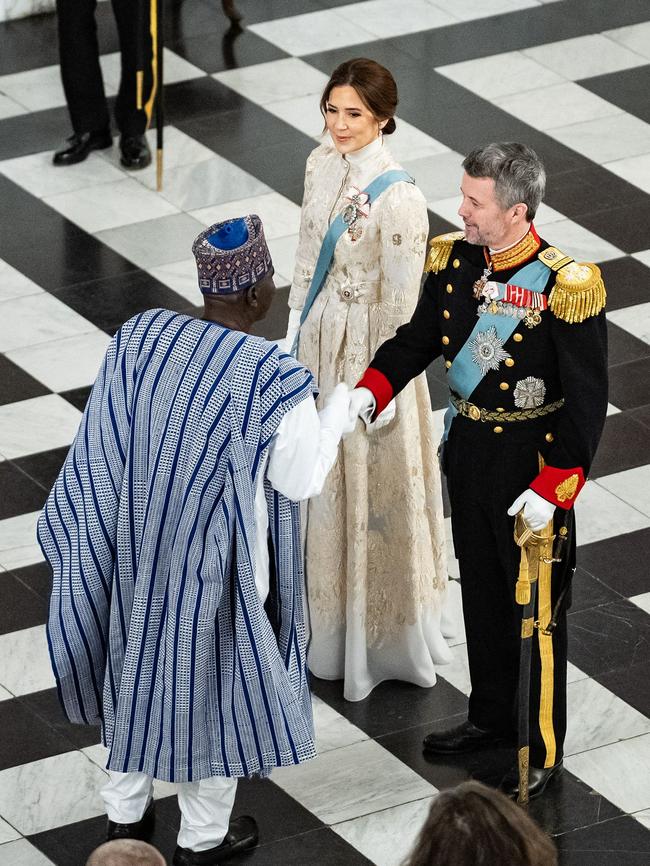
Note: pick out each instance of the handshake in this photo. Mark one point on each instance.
(344, 406)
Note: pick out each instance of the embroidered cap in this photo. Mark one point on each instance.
(231, 256)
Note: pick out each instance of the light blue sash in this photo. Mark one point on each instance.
(465, 375)
(374, 189)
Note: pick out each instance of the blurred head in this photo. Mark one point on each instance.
(359, 104)
(502, 188)
(473, 825)
(126, 852)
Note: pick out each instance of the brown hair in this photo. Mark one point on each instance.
(374, 84)
(473, 825)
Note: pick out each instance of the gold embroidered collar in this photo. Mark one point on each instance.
(516, 254)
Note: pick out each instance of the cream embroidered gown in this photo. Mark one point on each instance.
(375, 558)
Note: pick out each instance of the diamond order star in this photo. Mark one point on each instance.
(487, 350)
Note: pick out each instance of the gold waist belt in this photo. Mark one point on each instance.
(476, 413)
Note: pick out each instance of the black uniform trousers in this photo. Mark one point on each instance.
(81, 73)
(486, 471)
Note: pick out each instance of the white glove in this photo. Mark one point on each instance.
(362, 405)
(384, 417)
(335, 414)
(537, 510)
(293, 327)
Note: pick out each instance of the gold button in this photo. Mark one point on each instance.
(504, 386)
(517, 338)
(498, 429)
(549, 437)
(509, 362)
(450, 288)
(445, 341)
(446, 314)
(455, 263)
(500, 409)
(447, 364)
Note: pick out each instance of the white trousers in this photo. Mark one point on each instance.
(205, 806)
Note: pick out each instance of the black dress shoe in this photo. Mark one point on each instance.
(538, 779)
(142, 829)
(241, 836)
(78, 147)
(134, 151)
(464, 738)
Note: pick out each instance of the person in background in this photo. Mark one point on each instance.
(126, 852)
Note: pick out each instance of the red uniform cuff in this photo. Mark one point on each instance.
(381, 388)
(559, 486)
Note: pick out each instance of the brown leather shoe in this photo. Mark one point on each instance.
(241, 836)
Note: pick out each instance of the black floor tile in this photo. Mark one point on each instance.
(570, 804)
(620, 562)
(438, 225)
(625, 444)
(642, 415)
(77, 396)
(108, 303)
(609, 637)
(588, 189)
(622, 841)
(323, 847)
(46, 706)
(36, 577)
(626, 227)
(20, 493)
(627, 282)
(16, 384)
(42, 468)
(253, 11)
(274, 326)
(43, 741)
(226, 49)
(393, 706)
(623, 346)
(21, 608)
(588, 592)
(33, 132)
(627, 88)
(438, 388)
(629, 384)
(200, 97)
(632, 684)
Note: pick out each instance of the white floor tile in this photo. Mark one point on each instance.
(301, 112)
(584, 56)
(333, 731)
(386, 837)
(37, 175)
(212, 181)
(409, 143)
(38, 424)
(597, 717)
(17, 557)
(181, 277)
(7, 834)
(283, 255)
(51, 793)
(619, 772)
(10, 108)
(573, 673)
(37, 319)
(546, 215)
(631, 486)
(643, 817)
(108, 205)
(24, 668)
(437, 176)
(64, 364)
(635, 169)
(279, 215)
(276, 81)
(23, 853)
(556, 104)
(600, 514)
(468, 10)
(607, 138)
(579, 242)
(175, 69)
(643, 257)
(378, 16)
(636, 37)
(447, 208)
(349, 782)
(642, 601)
(5, 695)
(312, 32)
(13, 284)
(612, 410)
(154, 242)
(35, 89)
(500, 74)
(635, 319)
(457, 672)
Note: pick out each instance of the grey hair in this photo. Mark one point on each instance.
(518, 173)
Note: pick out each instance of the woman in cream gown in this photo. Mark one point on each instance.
(375, 553)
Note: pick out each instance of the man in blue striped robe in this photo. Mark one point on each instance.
(163, 628)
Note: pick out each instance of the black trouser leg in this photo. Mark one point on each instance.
(80, 70)
(134, 47)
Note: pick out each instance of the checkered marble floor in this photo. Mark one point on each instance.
(83, 248)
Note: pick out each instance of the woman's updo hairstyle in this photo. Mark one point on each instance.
(374, 84)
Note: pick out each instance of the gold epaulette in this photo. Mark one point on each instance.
(578, 293)
(440, 250)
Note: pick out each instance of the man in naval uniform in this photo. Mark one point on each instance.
(521, 328)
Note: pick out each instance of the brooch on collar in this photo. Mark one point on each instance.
(352, 213)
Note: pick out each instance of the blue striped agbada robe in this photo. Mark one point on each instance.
(155, 627)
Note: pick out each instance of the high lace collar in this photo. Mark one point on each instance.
(364, 154)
